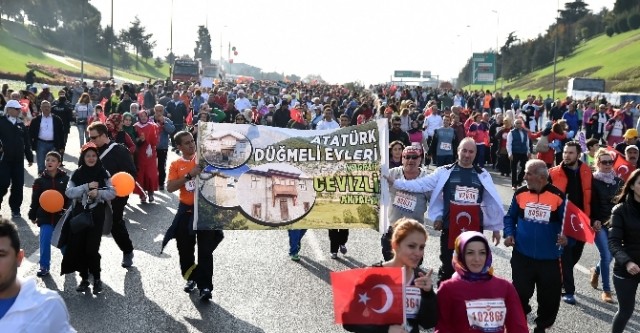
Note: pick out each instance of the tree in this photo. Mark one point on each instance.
(313, 78)
(158, 62)
(573, 11)
(203, 45)
(12, 9)
(623, 6)
(622, 24)
(136, 37)
(609, 31)
(125, 60)
(146, 51)
(170, 58)
(634, 20)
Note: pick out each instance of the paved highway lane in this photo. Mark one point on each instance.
(256, 287)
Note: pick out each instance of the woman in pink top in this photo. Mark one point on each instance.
(474, 300)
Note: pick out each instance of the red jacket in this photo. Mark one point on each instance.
(559, 180)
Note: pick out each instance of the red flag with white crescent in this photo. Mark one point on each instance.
(621, 167)
(462, 217)
(369, 296)
(577, 224)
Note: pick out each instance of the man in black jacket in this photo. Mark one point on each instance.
(176, 111)
(115, 158)
(47, 134)
(63, 109)
(14, 147)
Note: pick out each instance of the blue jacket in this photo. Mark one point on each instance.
(535, 221)
(165, 132)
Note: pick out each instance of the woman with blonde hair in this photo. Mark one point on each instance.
(82, 112)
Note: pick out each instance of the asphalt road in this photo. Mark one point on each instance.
(256, 287)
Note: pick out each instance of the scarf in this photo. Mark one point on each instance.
(459, 264)
(87, 174)
(608, 177)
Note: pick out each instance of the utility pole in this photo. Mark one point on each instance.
(555, 55)
(82, 43)
(171, 44)
(111, 42)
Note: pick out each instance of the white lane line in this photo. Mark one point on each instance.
(28, 263)
(312, 239)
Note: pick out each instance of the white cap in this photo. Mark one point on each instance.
(13, 104)
(498, 110)
(45, 86)
(271, 106)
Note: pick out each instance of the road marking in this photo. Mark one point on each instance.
(582, 269)
(315, 245)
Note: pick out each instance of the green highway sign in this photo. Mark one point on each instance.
(411, 74)
(484, 68)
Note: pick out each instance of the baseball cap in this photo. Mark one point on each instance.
(13, 104)
(412, 150)
(629, 134)
(629, 147)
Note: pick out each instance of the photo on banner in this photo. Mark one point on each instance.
(260, 177)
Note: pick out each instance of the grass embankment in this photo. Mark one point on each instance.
(609, 58)
(21, 45)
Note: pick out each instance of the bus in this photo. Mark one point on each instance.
(583, 84)
(185, 70)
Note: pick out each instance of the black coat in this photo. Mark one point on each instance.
(624, 236)
(58, 132)
(15, 141)
(64, 110)
(602, 199)
(44, 183)
(177, 113)
(117, 159)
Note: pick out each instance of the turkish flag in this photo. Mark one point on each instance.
(577, 224)
(621, 167)
(462, 217)
(369, 296)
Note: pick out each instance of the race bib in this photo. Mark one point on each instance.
(190, 185)
(466, 194)
(537, 212)
(486, 315)
(412, 301)
(405, 200)
(618, 126)
(602, 120)
(445, 146)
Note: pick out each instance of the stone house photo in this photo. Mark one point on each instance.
(226, 149)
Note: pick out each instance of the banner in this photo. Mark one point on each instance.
(260, 177)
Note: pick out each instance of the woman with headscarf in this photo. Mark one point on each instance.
(127, 125)
(114, 125)
(89, 188)
(474, 300)
(146, 156)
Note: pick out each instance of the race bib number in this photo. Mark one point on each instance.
(190, 185)
(618, 125)
(405, 200)
(537, 212)
(412, 301)
(466, 194)
(602, 120)
(445, 146)
(486, 315)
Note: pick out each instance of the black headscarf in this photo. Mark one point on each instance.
(86, 174)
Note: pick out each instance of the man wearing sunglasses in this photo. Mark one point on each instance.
(463, 183)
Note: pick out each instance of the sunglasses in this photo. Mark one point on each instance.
(412, 157)
(607, 162)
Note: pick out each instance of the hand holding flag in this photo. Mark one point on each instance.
(576, 224)
(369, 296)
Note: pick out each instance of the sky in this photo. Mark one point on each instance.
(341, 40)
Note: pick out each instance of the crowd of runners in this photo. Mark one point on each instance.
(552, 152)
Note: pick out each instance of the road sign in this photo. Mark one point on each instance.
(414, 74)
(426, 74)
(484, 68)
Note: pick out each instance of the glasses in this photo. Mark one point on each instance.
(412, 157)
(609, 162)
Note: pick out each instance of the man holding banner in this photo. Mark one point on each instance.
(533, 227)
(460, 183)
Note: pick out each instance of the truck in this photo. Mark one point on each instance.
(185, 70)
(209, 74)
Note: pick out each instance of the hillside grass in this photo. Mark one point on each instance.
(15, 54)
(610, 58)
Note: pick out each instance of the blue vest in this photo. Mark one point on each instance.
(518, 146)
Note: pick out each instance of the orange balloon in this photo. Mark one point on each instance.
(123, 183)
(51, 201)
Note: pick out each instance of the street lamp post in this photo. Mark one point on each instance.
(111, 43)
(82, 43)
(495, 59)
(471, 62)
(555, 54)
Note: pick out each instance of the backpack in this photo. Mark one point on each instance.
(542, 146)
